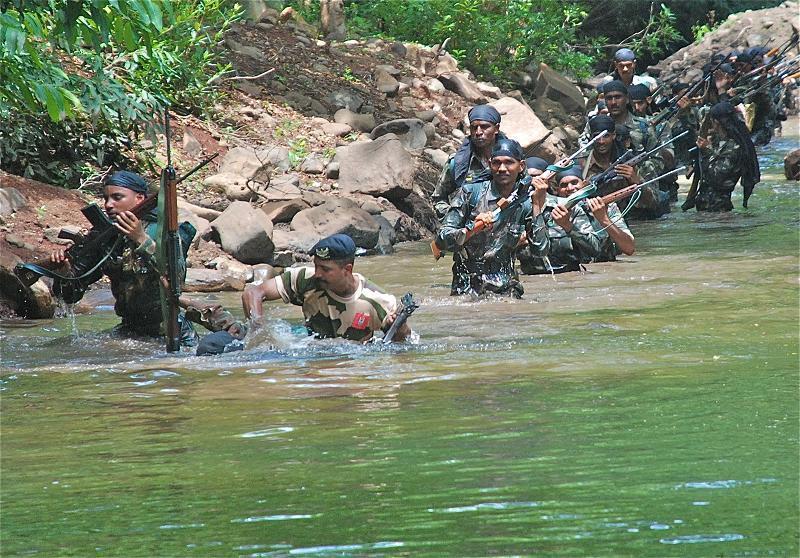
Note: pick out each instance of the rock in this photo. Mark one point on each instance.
(437, 157)
(244, 50)
(398, 49)
(298, 101)
(491, 91)
(391, 70)
(199, 224)
(385, 82)
(283, 211)
(550, 84)
(458, 134)
(405, 227)
(244, 233)
(263, 272)
(248, 162)
(284, 187)
(34, 301)
(191, 145)
(52, 234)
(345, 98)
(435, 86)
(379, 168)
(203, 212)
(410, 131)
(334, 217)
(425, 115)
(313, 164)
(386, 236)
(20, 242)
(360, 122)
(458, 83)
(201, 280)
(332, 170)
(336, 129)
(284, 258)
(520, 123)
(419, 211)
(791, 165)
(445, 64)
(11, 200)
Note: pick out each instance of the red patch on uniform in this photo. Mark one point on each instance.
(360, 321)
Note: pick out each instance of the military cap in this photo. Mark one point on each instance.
(600, 123)
(509, 148)
(638, 92)
(217, 343)
(536, 163)
(615, 85)
(335, 247)
(129, 180)
(486, 113)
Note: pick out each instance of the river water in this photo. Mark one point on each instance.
(647, 407)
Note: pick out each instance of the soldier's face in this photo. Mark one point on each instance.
(568, 186)
(119, 199)
(640, 107)
(603, 144)
(483, 133)
(505, 170)
(617, 103)
(332, 275)
(625, 68)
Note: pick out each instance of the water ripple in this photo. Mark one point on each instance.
(330, 549)
(486, 506)
(267, 432)
(277, 517)
(691, 539)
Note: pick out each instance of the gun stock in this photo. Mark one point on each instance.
(402, 316)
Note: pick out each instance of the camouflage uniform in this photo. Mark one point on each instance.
(688, 119)
(327, 315)
(551, 249)
(485, 262)
(608, 248)
(447, 186)
(721, 169)
(765, 118)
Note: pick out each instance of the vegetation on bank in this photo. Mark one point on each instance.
(81, 82)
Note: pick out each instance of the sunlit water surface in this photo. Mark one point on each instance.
(647, 407)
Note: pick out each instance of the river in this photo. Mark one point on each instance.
(647, 407)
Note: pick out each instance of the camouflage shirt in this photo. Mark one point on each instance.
(721, 169)
(447, 186)
(552, 249)
(355, 317)
(486, 260)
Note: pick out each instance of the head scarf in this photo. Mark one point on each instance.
(624, 55)
(129, 180)
(638, 92)
(536, 163)
(507, 147)
(601, 122)
(615, 85)
(484, 112)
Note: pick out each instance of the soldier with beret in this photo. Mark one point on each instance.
(471, 162)
(336, 302)
(625, 70)
(484, 261)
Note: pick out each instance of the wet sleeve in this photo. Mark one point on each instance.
(444, 189)
(538, 239)
(723, 163)
(583, 236)
(452, 234)
(293, 284)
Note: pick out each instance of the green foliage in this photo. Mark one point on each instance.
(80, 80)
(298, 151)
(701, 30)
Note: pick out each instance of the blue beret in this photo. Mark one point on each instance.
(536, 163)
(129, 180)
(219, 342)
(335, 247)
(601, 122)
(638, 92)
(614, 85)
(484, 112)
(622, 131)
(507, 147)
(624, 55)
(574, 170)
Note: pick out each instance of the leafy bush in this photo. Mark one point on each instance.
(80, 80)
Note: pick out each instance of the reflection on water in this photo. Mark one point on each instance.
(644, 408)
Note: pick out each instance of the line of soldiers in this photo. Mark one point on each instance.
(709, 127)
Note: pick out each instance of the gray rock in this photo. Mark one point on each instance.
(297, 100)
(405, 227)
(334, 217)
(244, 50)
(552, 85)
(460, 84)
(386, 236)
(313, 164)
(520, 123)
(202, 212)
(284, 258)
(336, 129)
(425, 115)
(332, 170)
(345, 98)
(391, 70)
(284, 187)
(191, 145)
(247, 161)
(360, 122)
(201, 280)
(11, 200)
(385, 82)
(435, 86)
(410, 131)
(491, 91)
(320, 67)
(458, 134)
(317, 107)
(244, 233)
(445, 63)
(283, 211)
(437, 157)
(398, 48)
(379, 168)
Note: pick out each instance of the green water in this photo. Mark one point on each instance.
(648, 407)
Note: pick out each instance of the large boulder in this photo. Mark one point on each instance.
(519, 122)
(248, 161)
(345, 98)
(412, 132)
(360, 122)
(460, 84)
(284, 210)
(547, 83)
(243, 232)
(11, 200)
(379, 168)
(334, 217)
(29, 301)
(791, 165)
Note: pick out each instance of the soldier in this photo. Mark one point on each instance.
(625, 70)
(471, 162)
(484, 262)
(336, 302)
(639, 96)
(727, 156)
(688, 119)
(558, 239)
(132, 270)
(605, 151)
(535, 166)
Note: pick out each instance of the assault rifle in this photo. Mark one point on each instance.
(408, 308)
(89, 251)
(672, 105)
(518, 196)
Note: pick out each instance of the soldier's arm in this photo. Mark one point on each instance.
(622, 238)
(722, 162)
(254, 296)
(444, 189)
(582, 235)
(453, 232)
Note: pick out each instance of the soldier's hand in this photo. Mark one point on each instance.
(539, 192)
(560, 215)
(129, 224)
(59, 256)
(599, 209)
(703, 143)
(684, 102)
(628, 172)
(487, 218)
